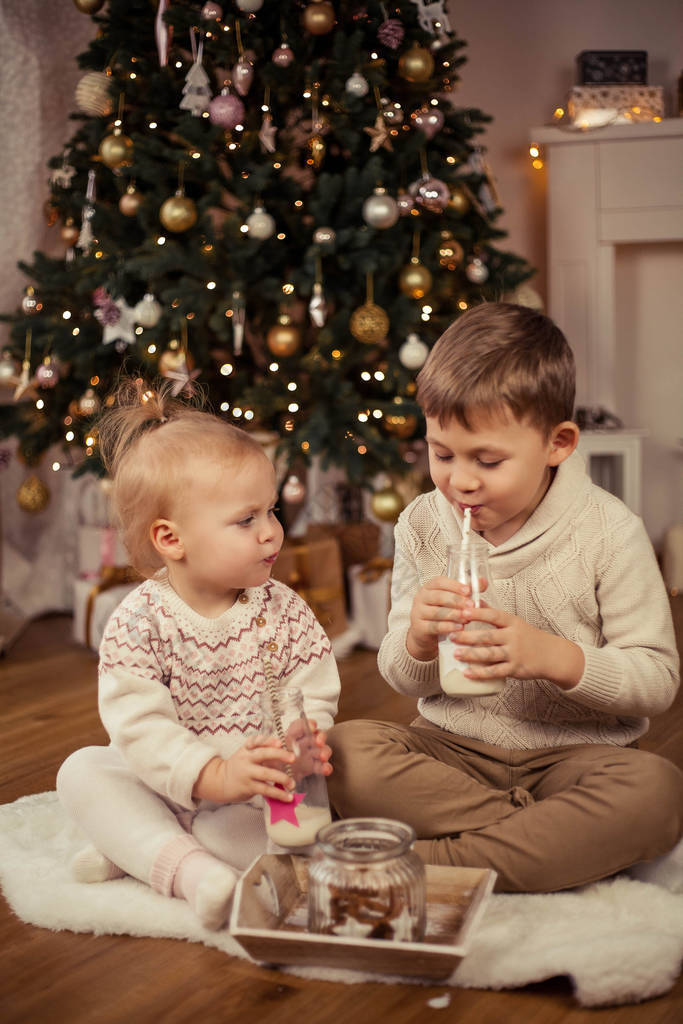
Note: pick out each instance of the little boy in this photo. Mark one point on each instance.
(543, 781)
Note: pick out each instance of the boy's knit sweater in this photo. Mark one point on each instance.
(581, 567)
(176, 689)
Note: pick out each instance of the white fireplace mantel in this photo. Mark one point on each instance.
(606, 187)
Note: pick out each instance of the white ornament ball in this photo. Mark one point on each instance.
(525, 295)
(324, 235)
(92, 94)
(212, 12)
(357, 85)
(261, 225)
(413, 352)
(8, 370)
(380, 210)
(148, 311)
(294, 491)
(477, 272)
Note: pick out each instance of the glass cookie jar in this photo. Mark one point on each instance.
(365, 880)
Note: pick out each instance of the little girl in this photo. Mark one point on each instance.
(176, 799)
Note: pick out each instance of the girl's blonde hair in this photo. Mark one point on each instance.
(149, 442)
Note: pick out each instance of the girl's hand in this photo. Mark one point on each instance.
(256, 768)
(511, 647)
(435, 614)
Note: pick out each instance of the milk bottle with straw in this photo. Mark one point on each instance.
(294, 823)
(468, 563)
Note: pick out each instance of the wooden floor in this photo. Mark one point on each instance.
(48, 702)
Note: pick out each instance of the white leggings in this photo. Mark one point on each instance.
(131, 824)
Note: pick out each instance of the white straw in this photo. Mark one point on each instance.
(467, 524)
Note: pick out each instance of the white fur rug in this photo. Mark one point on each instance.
(619, 941)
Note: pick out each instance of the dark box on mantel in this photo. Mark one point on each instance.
(612, 67)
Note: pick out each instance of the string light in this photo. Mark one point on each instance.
(151, 349)
(56, 466)
(226, 369)
(40, 404)
(535, 153)
(69, 436)
(66, 315)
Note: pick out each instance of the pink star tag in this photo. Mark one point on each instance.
(280, 810)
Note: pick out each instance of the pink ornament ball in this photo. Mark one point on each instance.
(429, 121)
(226, 111)
(47, 374)
(283, 56)
(212, 12)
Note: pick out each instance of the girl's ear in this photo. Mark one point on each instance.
(563, 441)
(164, 535)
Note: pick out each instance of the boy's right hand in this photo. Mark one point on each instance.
(251, 770)
(432, 615)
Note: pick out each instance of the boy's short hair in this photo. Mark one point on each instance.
(495, 357)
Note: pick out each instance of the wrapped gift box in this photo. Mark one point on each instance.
(98, 546)
(314, 569)
(370, 600)
(95, 601)
(595, 105)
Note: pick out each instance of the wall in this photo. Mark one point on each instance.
(521, 65)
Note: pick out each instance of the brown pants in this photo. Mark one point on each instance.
(543, 819)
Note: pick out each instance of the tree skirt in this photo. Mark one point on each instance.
(619, 941)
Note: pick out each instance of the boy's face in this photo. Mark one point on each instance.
(500, 469)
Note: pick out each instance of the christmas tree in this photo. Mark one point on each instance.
(281, 203)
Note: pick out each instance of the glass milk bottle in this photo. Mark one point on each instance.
(295, 823)
(467, 563)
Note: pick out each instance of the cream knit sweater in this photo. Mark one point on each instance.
(176, 688)
(581, 567)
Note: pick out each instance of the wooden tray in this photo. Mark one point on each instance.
(269, 918)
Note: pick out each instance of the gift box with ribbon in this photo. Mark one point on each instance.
(95, 601)
(313, 568)
(370, 599)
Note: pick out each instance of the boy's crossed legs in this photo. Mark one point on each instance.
(544, 820)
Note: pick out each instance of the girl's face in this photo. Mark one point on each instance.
(228, 534)
(500, 469)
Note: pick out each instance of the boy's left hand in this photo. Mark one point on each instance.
(313, 753)
(514, 648)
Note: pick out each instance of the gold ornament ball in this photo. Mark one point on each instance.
(416, 64)
(116, 150)
(70, 233)
(89, 6)
(178, 213)
(458, 204)
(92, 94)
(172, 359)
(33, 496)
(415, 280)
(130, 202)
(283, 338)
(369, 323)
(451, 253)
(387, 504)
(318, 18)
(400, 425)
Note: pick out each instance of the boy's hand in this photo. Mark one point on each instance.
(435, 614)
(257, 767)
(514, 648)
(312, 752)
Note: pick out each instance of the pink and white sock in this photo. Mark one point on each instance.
(184, 869)
(89, 865)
